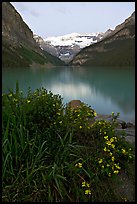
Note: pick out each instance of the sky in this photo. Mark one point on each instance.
(48, 19)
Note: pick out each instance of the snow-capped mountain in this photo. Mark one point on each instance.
(67, 46)
(82, 40)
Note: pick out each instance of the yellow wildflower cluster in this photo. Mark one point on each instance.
(86, 185)
(110, 142)
(112, 166)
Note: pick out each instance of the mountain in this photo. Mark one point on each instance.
(67, 46)
(116, 48)
(18, 45)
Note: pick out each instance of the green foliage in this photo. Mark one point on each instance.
(78, 118)
(31, 55)
(23, 56)
(119, 52)
(53, 153)
(115, 54)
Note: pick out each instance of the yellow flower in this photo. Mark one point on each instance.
(28, 101)
(112, 158)
(106, 137)
(58, 113)
(110, 153)
(116, 172)
(105, 132)
(88, 185)
(115, 138)
(78, 115)
(118, 167)
(108, 165)
(112, 139)
(102, 166)
(123, 151)
(60, 122)
(80, 126)
(105, 149)
(79, 165)
(95, 114)
(125, 199)
(83, 184)
(87, 192)
(100, 161)
(108, 143)
(10, 94)
(113, 146)
(129, 149)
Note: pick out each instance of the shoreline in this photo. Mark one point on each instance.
(122, 125)
(128, 127)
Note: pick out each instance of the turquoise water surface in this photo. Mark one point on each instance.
(106, 89)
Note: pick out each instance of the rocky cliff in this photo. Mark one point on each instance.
(116, 48)
(18, 45)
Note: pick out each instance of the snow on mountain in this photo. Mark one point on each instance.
(72, 39)
(67, 46)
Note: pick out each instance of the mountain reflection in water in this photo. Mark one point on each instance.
(106, 89)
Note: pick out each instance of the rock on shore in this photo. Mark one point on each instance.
(122, 126)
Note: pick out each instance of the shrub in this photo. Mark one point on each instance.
(53, 153)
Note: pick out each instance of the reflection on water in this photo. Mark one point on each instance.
(106, 89)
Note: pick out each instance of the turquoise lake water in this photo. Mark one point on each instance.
(106, 89)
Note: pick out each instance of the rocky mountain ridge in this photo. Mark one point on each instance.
(117, 48)
(18, 45)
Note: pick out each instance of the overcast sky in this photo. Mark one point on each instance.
(59, 18)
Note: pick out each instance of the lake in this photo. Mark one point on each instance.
(105, 89)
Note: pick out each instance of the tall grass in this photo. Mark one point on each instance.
(51, 154)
